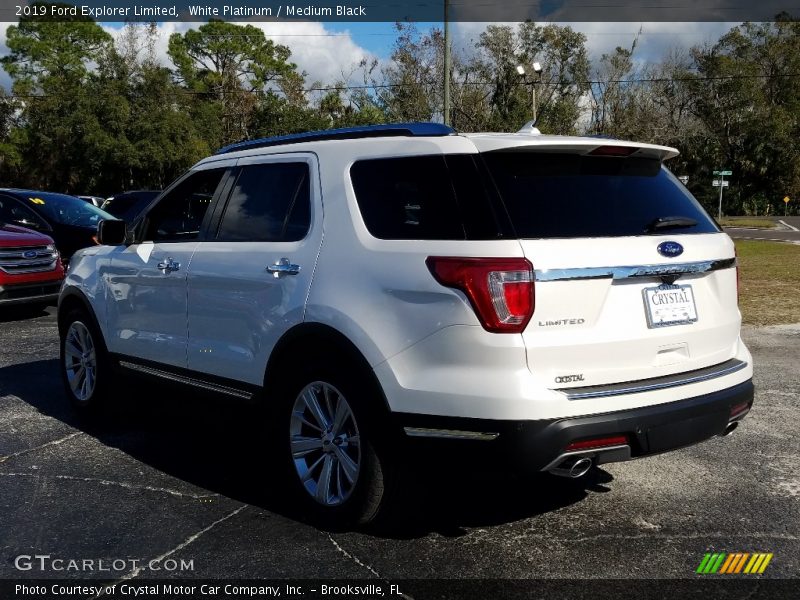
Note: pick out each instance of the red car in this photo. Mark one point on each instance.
(30, 267)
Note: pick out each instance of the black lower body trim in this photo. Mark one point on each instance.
(532, 445)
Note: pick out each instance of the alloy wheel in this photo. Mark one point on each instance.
(325, 443)
(80, 361)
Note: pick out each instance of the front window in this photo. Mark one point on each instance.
(179, 215)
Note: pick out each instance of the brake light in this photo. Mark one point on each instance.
(613, 151)
(616, 440)
(736, 256)
(500, 290)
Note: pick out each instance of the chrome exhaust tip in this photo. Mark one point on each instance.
(730, 427)
(573, 467)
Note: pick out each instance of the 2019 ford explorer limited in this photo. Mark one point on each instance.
(548, 302)
(30, 267)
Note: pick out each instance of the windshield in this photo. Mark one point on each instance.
(568, 195)
(66, 210)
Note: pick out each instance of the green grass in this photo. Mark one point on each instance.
(769, 282)
(747, 222)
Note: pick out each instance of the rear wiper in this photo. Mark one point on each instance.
(670, 223)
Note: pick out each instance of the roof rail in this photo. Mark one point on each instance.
(347, 133)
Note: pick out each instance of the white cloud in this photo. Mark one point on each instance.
(324, 55)
(328, 56)
(655, 41)
(656, 38)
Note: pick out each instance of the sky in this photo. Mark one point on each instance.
(327, 52)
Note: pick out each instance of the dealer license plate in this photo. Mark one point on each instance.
(669, 305)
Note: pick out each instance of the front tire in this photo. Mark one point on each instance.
(339, 461)
(83, 362)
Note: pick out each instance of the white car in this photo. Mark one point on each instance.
(547, 303)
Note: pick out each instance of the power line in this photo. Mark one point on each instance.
(378, 86)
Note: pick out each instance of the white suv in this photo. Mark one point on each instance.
(545, 302)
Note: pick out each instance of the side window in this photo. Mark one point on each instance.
(407, 198)
(179, 215)
(13, 211)
(269, 203)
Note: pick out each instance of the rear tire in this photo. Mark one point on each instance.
(336, 444)
(84, 364)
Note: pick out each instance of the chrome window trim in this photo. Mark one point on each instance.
(633, 271)
(658, 383)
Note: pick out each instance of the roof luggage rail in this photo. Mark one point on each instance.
(347, 133)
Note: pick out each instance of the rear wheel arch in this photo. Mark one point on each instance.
(314, 342)
(319, 360)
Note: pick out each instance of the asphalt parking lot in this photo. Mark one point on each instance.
(184, 478)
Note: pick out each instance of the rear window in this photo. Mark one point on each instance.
(567, 195)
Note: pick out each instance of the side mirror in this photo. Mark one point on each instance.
(112, 232)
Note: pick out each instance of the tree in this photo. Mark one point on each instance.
(561, 52)
(411, 86)
(49, 64)
(746, 94)
(233, 67)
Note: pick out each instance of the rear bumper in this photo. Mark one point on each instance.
(540, 445)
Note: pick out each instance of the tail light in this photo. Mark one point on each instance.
(500, 290)
(736, 256)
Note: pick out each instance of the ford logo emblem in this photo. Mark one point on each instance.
(670, 249)
(30, 254)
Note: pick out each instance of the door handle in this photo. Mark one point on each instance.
(283, 267)
(168, 266)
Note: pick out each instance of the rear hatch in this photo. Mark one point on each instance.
(633, 279)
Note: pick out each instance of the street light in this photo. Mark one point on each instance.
(537, 69)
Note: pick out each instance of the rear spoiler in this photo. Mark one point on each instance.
(571, 145)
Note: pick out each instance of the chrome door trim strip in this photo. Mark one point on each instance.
(657, 383)
(213, 387)
(632, 271)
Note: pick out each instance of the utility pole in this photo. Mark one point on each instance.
(447, 60)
